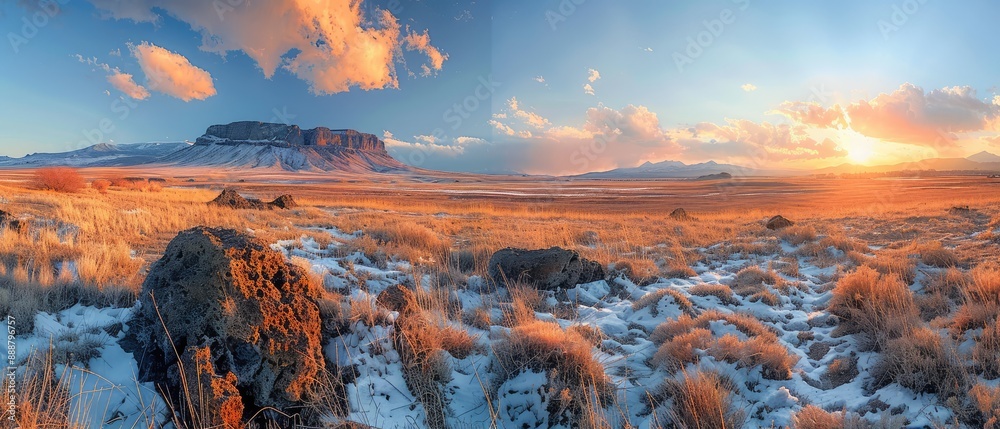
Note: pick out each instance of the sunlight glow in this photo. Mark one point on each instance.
(860, 148)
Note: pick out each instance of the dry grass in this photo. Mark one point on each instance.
(986, 353)
(922, 362)
(798, 234)
(754, 279)
(43, 401)
(565, 355)
(933, 253)
(701, 400)
(652, 300)
(813, 417)
(877, 306)
(720, 291)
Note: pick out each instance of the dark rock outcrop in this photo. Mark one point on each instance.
(284, 202)
(778, 222)
(233, 308)
(232, 199)
(679, 214)
(547, 269)
(263, 133)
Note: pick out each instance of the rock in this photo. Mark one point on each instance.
(284, 202)
(231, 297)
(679, 214)
(219, 393)
(12, 222)
(547, 269)
(263, 133)
(779, 222)
(398, 298)
(232, 199)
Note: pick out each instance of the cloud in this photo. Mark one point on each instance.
(749, 87)
(587, 89)
(908, 115)
(760, 144)
(531, 118)
(421, 42)
(646, 49)
(539, 79)
(593, 76)
(119, 80)
(172, 74)
(330, 44)
(124, 83)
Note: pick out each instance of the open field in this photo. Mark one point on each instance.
(879, 304)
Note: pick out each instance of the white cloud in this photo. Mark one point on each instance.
(172, 74)
(124, 83)
(539, 79)
(749, 87)
(594, 75)
(331, 44)
(587, 89)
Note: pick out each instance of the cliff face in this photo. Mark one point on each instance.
(263, 133)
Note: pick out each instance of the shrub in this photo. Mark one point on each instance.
(986, 353)
(59, 179)
(936, 255)
(877, 306)
(920, 362)
(652, 300)
(723, 292)
(702, 400)
(101, 185)
(986, 401)
(813, 417)
(798, 234)
(752, 279)
(981, 300)
(681, 349)
(564, 355)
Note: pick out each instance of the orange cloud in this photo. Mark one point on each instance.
(124, 83)
(422, 43)
(172, 74)
(908, 115)
(330, 44)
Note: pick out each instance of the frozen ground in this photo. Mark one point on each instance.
(105, 393)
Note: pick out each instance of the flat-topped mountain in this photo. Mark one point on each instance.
(250, 144)
(258, 133)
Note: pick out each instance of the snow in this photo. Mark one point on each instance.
(379, 396)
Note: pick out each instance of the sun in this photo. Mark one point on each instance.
(860, 148)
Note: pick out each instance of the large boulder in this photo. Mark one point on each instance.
(778, 222)
(547, 269)
(283, 202)
(221, 297)
(232, 199)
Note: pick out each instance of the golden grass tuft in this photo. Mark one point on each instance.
(813, 417)
(720, 291)
(652, 300)
(877, 306)
(702, 400)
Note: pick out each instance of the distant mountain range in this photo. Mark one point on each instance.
(246, 145)
(677, 169)
(238, 145)
(99, 155)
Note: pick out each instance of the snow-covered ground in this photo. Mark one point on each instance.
(105, 394)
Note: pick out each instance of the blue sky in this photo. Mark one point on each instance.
(795, 84)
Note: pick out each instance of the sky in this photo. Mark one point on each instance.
(532, 86)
